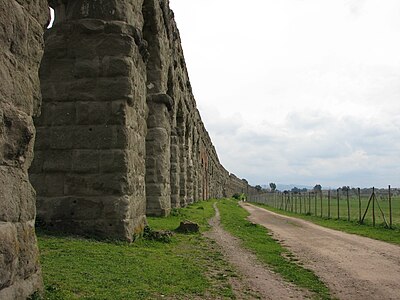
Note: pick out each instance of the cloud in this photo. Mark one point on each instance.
(298, 91)
(356, 7)
(312, 149)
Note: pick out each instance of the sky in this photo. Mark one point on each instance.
(298, 91)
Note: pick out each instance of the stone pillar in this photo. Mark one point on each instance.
(89, 170)
(158, 190)
(158, 143)
(197, 167)
(190, 165)
(182, 159)
(21, 48)
(175, 170)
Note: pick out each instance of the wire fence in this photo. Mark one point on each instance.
(367, 206)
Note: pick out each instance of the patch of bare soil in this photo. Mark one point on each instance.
(256, 281)
(353, 267)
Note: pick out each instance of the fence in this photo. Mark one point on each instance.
(366, 206)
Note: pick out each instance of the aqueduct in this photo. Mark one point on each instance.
(118, 134)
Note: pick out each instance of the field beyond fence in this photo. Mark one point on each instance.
(365, 206)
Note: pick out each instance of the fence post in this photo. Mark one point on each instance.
(300, 203)
(320, 196)
(329, 204)
(390, 209)
(309, 203)
(338, 205)
(292, 200)
(373, 206)
(315, 203)
(359, 205)
(285, 202)
(348, 204)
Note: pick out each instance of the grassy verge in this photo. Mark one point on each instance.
(185, 268)
(268, 250)
(378, 232)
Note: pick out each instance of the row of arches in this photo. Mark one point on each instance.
(119, 136)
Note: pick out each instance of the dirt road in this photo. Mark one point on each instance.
(256, 281)
(353, 267)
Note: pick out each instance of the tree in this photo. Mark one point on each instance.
(317, 188)
(295, 190)
(345, 188)
(272, 186)
(258, 188)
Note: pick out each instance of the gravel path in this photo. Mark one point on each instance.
(353, 267)
(256, 281)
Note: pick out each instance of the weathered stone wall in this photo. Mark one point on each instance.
(182, 165)
(89, 168)
(120, 135)
(21, 48)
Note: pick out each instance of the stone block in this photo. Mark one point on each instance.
(188, 227)
(117, 66)
(57, 161)
(83, 208)
(56, 48)
(61, 137)
(37, 163)
(17, 197)
(85, 161)
(63, 72)
(89, 26)
(63, 113)
(115, 44)
(100, 137)
(53, 184)
(28, 258)
(43, 139)
(8, 254)
(87, 89)
(83, 46)
(157, 136)
(157, 189)
(99, 113)
(38, 182)
(113, 161)
(87, 68)
(16, 140)
(106, 217)
(98, 184)
(127, 11)
(19, 265)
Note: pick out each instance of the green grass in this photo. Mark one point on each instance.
(189, 266)
(379, 232)
(267, 249)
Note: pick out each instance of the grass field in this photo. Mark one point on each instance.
(255, 238)
(188, 267)
(311, 205)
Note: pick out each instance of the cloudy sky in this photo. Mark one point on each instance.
(298, 91)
